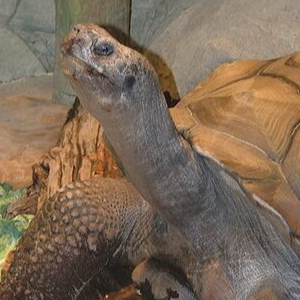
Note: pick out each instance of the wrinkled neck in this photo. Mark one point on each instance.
(148, 145)
(159, 162)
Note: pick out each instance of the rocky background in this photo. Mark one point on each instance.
(27, 35)
(190, 37)
(193, 37)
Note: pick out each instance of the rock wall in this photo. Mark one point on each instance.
(27, 35)
(193, 37)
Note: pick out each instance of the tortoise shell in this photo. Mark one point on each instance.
(246, 116)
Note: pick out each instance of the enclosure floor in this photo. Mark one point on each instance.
(29, 126)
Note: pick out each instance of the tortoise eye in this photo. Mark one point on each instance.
(104, 49)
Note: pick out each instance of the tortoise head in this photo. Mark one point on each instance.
(105, 74)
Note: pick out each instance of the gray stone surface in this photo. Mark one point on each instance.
(149, 18)
(16, 59)
(42, 45)
(34, 23)
(7, 9)
(207, 33)
(34, 15)
(27, 32)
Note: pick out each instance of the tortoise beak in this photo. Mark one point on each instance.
(74, 37)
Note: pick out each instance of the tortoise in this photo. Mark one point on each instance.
(191, 190)
(213, 172)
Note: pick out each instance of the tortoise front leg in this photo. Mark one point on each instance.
(75, 235)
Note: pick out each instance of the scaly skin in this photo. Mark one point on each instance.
(81, 230)
(240, 255)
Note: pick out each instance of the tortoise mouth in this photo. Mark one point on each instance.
(89, 79)
(70, 65)
(77, 68)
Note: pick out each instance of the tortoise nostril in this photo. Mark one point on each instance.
(76, 29)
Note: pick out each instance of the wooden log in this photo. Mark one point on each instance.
(80, 154)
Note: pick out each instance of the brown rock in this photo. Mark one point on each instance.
(29, 127)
